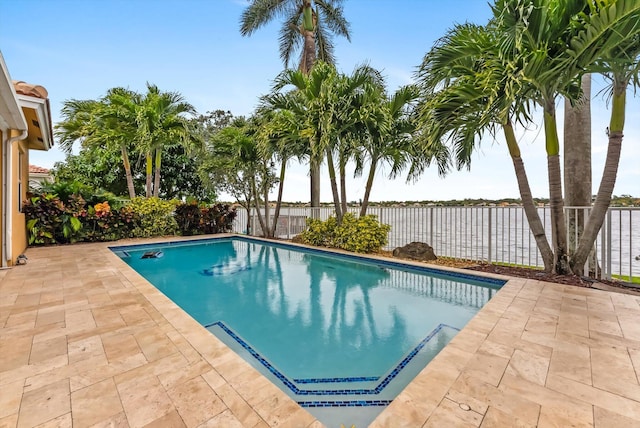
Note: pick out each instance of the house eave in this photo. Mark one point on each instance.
(11, 115)
(38, 112)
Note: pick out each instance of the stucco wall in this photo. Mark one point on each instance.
(19, 227)
(2, 137)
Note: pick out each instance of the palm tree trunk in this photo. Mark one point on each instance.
(530, 210)
(276, 215)
(343, 183)
(577, 162)
(558, 227)
(265, 194)
(156, 177)
(314, 175)
(127, 171)
(334, 185)
(306, 64)
(603, 199)
(308, 32)
(149, 173)
(369, 185)
(256, 199)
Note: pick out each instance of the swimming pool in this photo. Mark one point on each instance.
(342, 335)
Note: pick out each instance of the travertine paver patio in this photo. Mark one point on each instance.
(85, 341)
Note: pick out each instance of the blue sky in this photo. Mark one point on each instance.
(80, 48)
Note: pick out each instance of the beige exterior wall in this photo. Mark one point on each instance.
(2, 137)
(19, 186)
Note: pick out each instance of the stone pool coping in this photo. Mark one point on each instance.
(86, 341)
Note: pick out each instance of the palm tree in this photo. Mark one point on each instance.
(534, 38)
(618, 57)
(279, 139)
(225, 165)
(108, 121)
(324, 103)
(532, 63)
(306, 26)
(469, 90)
(161, 123)
(389, 133)
(577, 161)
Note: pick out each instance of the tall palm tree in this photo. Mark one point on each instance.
(110, 120)
(468, 91)
(162, 122)
(536, 65)
(617, 56)
(534, 37)
(307, 26)
(577, 161)
(389, 134)
(324, 104)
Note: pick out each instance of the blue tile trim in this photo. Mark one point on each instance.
(363, 259)
(354, 403)
(290, 384)
(338, 379)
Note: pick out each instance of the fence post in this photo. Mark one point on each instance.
(608, 245)
(489, 236)
(431, 226)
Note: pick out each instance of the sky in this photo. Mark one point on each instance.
(78, 49)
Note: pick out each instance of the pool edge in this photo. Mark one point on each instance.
(435, 378)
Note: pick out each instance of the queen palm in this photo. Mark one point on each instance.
(307, 27)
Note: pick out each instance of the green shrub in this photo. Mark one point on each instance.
(103, 223)
(194, 219)
(319, 233)
(188, 217)
(51, 220)
(218, 218)
(154, 217)
(44, 222)
(360, 235)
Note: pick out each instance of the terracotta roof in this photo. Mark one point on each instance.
(29, 89)
(38, 169)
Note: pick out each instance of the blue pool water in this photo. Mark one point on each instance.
(342, 335)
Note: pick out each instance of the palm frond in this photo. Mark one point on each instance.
(260, 13)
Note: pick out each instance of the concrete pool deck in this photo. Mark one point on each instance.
(86, 341)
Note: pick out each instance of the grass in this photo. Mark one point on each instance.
(626, 278)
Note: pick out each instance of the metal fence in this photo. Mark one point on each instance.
(491, 234)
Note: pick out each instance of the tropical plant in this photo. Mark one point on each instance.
(152, 122)
(234, 162)
(469, 90)
(615, 54)
(107, 122)
(162, 123)
(217, 218)
(363, 234)
(327, 109)
(384, 130)
(305, 28)
(525, 61)
(154, 216)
